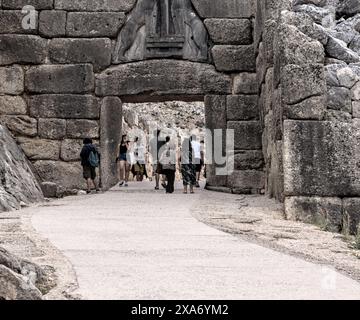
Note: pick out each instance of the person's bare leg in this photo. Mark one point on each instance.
(88, 183)
(185, 188)
(127, 173)
(121, 172)
(191, 188)
(157, 180)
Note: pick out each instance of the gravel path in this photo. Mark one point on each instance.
(138, 243)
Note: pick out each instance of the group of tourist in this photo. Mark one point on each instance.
(131, 156)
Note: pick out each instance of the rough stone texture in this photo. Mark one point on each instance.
(324, 212)
(70, 149)
(60, 79)
(53, 171)
(352, 215)
(49, 189)
(11, 80)
(12, 105)
(20, 125)
(94, 24)
(301, 82)
(249, 160)
(225, 8)
(11, 22)
(321, 158)
(66, 106)
(247, 181)
(94, 5)
(52, 128)
(162, 77)
(310, 109)
(245, 83)
(247, 134)
(13, 286)
(337, 49)
(230, 31)
(111, 119)
(95, 51)
(22, 49)
(215, 119)
(242, 107)
(18, 185)
(52, 23)
(40, 149)
(82, 129)
(356, 109)
(338, 98)
(19, 4)
(234, 58)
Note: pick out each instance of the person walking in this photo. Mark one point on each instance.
(197, 158)
(89, 161)
(188, 168)
(155, 146)
(122, 159)
(168, 164)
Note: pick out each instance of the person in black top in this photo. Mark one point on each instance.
(122, 159)
(156, 144)
(89, 171)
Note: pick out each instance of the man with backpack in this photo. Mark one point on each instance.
(89, 161)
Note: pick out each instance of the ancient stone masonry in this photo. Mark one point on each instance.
(308, 75)
(65, 78)
(283, 74)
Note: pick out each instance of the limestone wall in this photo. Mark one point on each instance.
(309, 104)
(59, 84)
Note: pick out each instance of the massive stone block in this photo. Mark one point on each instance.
(247, 181)
(24, 49)
(95, 51)
(301, 82)
(110, 123)
(40, 149)
(352, 215)
(82, 129)
(242, 107)
(162, 77)
(94, 5)
(11, 22)
(53, 171)
(225, 8)
(94, 24)
(12, 105)
(70, 149)
(230, 31)
(20, 125)
(249, 160)
(52, 128)
(11, 80)
(322, 211)
(18, 182)
(321, 158)
(245, 83)
(66, 106)
(312, 108)
(215, 119)
(247, 134)
(60, 79)
(19, 4)
(234, 58)
(52, 23)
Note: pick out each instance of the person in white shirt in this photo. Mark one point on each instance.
(196, 146)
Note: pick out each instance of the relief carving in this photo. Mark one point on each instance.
(162, 29)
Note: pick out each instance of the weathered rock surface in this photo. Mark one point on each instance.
(162, 77)
(18, 184)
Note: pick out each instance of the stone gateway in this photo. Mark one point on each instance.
(283, 74)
